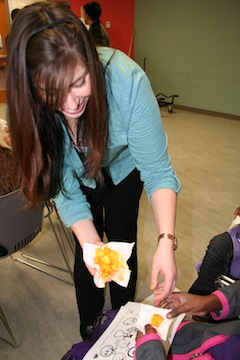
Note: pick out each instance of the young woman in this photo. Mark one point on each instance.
(86, 130)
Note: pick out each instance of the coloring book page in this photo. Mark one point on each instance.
(118, 340)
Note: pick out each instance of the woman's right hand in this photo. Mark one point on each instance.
(90, 268)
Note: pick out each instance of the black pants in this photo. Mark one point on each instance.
(115, 212)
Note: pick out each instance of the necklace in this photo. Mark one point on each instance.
(77, 140)
(76, 136)
(73, 131)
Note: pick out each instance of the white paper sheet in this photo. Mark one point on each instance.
(118, 340)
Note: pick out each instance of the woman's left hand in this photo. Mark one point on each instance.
(163, 202)
(164, 264)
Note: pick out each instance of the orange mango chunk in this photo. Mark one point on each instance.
(156, 320)
(108, 260)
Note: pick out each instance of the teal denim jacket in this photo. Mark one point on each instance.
(136, 138)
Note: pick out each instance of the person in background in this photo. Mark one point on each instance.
(86, 130)
(91, 13)
(201, 340)
(222, 258)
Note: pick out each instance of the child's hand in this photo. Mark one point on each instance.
(236, 212)
(149, 329)
(7, 138)
(199, 305)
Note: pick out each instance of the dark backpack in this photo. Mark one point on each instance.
(79, 350)
(235, 266)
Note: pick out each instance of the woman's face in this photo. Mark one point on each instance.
(76, 100)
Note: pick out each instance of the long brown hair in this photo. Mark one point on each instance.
(8, 181)
(46, 43)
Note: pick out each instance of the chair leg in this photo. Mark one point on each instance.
(41, 269)
(59, 240)
(58, 230)
(66, 231)
(7, 327)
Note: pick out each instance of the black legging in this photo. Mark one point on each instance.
(115, 212)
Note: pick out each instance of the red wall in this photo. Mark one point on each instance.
(3, 25)
(3, 32)
(121, 15)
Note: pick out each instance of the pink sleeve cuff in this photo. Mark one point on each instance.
(225, 306)
(147, 338)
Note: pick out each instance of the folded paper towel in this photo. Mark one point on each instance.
(110, 261)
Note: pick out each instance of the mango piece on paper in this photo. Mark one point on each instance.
(155, 316)
(156, 320)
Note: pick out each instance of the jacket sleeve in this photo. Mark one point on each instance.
(71, 203)
(230, 299)
(148, 141)
(135, 125)
(149, 347)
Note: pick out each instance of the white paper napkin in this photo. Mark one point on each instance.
(145, 315)
(122, 275)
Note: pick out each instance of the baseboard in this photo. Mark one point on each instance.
(207, 112)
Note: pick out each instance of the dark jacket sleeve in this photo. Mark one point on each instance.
(230, 299)
(149, 347)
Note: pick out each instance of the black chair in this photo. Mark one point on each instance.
(19, 225)
(63, 237)
(164, 100)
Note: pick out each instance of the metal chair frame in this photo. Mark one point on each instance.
(59, 231)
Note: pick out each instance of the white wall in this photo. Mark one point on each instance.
(192, 49)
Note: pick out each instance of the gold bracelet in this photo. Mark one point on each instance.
(171, 237)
